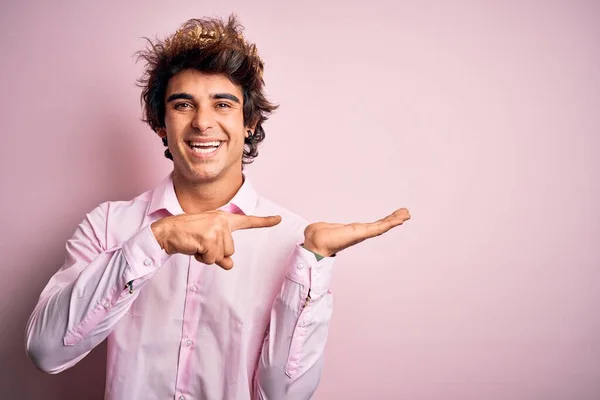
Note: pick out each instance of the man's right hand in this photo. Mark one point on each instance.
(206, 236)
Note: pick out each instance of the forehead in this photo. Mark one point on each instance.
(200, 84)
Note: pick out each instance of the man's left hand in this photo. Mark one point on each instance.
(327, 239)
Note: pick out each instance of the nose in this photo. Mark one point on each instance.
(203, 118)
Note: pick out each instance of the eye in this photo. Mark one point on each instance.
(180, 106)
(223, 105)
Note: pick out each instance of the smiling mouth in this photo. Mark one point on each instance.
(204, 147)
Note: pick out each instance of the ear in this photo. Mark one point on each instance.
(249, 131)
(162, 133)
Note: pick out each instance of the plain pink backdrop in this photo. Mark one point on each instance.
(483, 119)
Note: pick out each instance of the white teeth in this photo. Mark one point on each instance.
(206, 144)
(204, 150)
(204, 147)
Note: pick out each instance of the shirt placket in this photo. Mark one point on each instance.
(189, 333)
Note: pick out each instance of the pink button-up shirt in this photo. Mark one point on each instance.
(188, 330)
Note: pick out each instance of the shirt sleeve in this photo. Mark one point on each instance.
(291, 359)
(85, 299)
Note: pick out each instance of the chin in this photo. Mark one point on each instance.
(203, 172)
(206, 175)
(198, 173)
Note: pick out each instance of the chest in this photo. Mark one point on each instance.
(187, 291)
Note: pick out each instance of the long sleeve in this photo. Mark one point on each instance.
(85, 299)
(291, 359)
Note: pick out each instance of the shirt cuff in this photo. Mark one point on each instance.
(305, 270)
(143, 254)
(319, 257)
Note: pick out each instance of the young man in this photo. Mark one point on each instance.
(203, 288)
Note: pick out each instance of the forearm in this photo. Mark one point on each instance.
(77, 313)
(75, 318)
(292, 355)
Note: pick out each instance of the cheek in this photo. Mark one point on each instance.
(242, 138)
(237, 132)
(174, 119)
(174, 128)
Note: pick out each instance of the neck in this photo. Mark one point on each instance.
(198, 197)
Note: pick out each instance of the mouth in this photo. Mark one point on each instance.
(204, 149)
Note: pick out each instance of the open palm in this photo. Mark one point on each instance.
(327, 239)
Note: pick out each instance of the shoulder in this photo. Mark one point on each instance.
(111, 217)
(123, 208)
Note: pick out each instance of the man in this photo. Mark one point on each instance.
(203, 288)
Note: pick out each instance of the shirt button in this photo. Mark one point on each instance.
(106, 305)
(182, 397)
(300, 266)
(147, 262)
(193, 288)
(188, 343)
(303, 323)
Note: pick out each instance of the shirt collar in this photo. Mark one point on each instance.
(164, 198)
(246, 198)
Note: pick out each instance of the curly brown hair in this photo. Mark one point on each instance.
(212, 46)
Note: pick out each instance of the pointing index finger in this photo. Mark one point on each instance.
(237, 221)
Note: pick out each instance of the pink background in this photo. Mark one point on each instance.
(483, 119)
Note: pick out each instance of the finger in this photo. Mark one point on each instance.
(226, 263)
(358, 232)
(396, 218)
(228, 247)
(379, 228)
(401, 213)
(237, 221)
(391, 221)
(208, 258)
(213, 254)
(200, 251)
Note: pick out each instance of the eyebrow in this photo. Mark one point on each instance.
(227, 96)
(177, 96)
(216, 96)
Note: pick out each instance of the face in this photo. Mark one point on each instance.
(204, 126)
